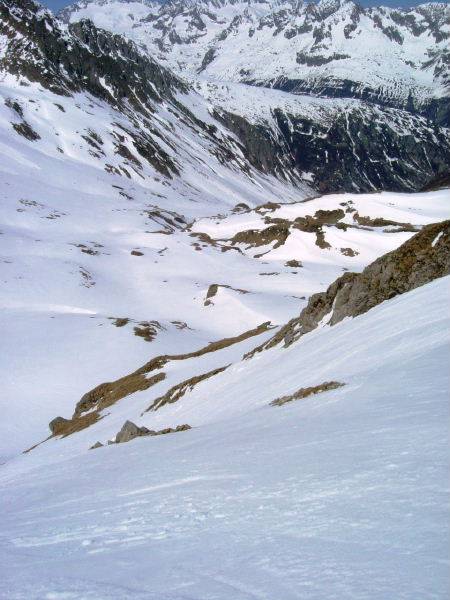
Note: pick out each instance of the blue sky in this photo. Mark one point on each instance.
(57, 4)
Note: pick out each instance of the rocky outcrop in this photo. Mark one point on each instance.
(107, 394)
(58, 425)
(177, 391)
(309, 391)
(130, 431)
(88, 409)
(423, 258)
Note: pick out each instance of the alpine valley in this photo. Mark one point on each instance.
(224, 224)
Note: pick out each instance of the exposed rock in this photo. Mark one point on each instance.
(421, 259)
(96, 445)
(25, 130)
(295, 264)
(183, 427)
(349, 252)
(121, 321)
(178, 390)
(15, 106)
(106, 394)
(321, 241)
(212, 291)
(214, 288)
(148, 330)
(309, 391)
(381, 222)
(241, 207)
(267, 207)
(57, 425)
(130, 431)
(262, 237)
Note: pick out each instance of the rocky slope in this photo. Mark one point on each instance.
(332, 144)
(423, 258)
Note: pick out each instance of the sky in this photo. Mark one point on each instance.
(58, 4)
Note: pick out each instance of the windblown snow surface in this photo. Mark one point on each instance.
(340, 495)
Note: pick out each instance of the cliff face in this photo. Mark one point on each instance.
(359, 148)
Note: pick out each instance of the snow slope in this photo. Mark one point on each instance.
(95, 210)
(340, 495)
(60, 302)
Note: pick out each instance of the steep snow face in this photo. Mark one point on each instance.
(392, 56)
(343, 491)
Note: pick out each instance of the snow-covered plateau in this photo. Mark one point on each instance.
(224, 291)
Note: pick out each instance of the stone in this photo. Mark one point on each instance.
(58, 425)
(130, 431)
(96, 445)
(183, 427)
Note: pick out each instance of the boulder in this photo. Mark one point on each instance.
(183, 427)
(96, 445)
(130, 431)
(58, 425)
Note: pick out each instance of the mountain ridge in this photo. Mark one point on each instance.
(303, 140)
(402, 60)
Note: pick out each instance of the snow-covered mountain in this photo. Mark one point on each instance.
(326, 144)
(251, 280)
(335, 48)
